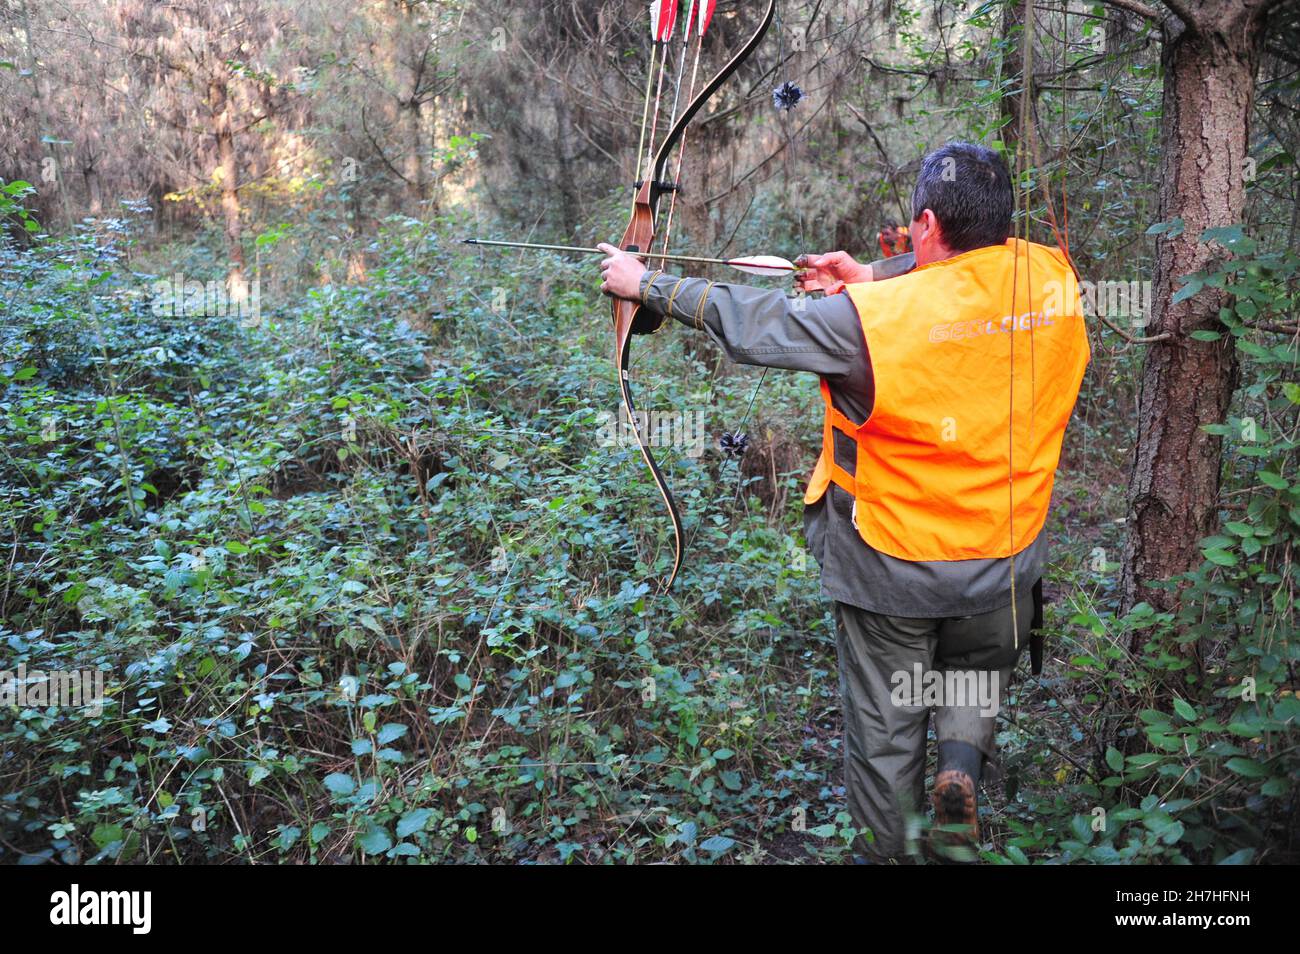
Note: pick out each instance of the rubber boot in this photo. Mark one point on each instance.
(956, 832)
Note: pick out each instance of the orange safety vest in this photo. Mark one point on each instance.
(947, 467)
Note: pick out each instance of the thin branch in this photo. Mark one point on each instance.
(1148, 13)
(893, 170)
(1133, 339)
(1273, 326)
(1179, 8)
(380, 149)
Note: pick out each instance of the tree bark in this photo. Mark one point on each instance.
(228, 165)
(94, 192)
(413, 164)
(1209, 78)
(1013, 65)
(564, 154)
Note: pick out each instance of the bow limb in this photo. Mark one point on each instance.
(629, 317)
(624, 313)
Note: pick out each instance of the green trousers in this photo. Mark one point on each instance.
(895, 671)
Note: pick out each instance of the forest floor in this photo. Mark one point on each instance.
(363, 595)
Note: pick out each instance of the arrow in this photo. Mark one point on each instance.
(753, 264)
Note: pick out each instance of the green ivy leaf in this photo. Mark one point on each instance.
(375, 841)
(1242, 857)
(413, 821)
(1194, 284)
(1247, 767)
(1115, 759)
(340, 784)
(391, 732)
(1220, 557)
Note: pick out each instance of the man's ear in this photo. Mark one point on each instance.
(930, 222)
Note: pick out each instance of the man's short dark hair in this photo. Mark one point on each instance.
(968, 188)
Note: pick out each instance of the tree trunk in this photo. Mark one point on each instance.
(157, 190)
(564, 154)
(1013, 65)
(414, 163)
(94, 193)
(228, 165)
(1209, 77)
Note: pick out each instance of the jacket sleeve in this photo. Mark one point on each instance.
(763, 327)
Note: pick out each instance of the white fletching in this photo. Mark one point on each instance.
(762, 265)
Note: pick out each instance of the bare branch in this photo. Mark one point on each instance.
(1133, 339)
(1180, 10)
(1148, 13)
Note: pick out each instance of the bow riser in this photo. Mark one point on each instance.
(639, 236)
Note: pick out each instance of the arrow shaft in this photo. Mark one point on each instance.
(645, 256)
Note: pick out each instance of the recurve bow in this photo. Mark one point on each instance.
(629, 317)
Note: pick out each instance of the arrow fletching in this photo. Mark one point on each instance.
(670, 13)
(663, 17)
(762, 265)
(705, 13)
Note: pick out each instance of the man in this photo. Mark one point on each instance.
(948, 376)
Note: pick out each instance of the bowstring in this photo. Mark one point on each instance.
(1029, 129)
(737, 435)
(785, 123)
(681, 144)
(666, 240)
(1027, 73)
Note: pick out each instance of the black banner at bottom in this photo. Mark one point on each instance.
(139, 906)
